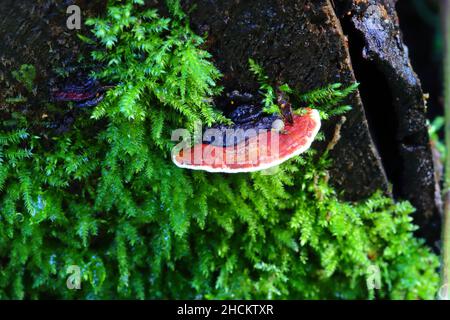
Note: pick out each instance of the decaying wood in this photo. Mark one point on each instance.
(305, 43)
(411, 159)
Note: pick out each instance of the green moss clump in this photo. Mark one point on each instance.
(26, 75)
(106, 197)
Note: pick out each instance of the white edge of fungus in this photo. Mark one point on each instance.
(314, 115)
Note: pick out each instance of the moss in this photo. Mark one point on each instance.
(26, 76)
(106, 197)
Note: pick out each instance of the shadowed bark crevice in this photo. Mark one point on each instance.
(395, 105)
(378, 101)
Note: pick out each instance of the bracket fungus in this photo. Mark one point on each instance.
(85, 93)
(253, 149)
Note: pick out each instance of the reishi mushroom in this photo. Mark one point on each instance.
(266, 149)
(84, 92)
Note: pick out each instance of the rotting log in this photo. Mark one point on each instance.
(382, 144)
(395, 106)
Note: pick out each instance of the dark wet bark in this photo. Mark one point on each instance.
(35, 33)
(307, 44)
(398, 123)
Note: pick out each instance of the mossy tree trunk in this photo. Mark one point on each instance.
(381, 144)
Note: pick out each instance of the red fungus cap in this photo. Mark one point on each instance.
(266, 149)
